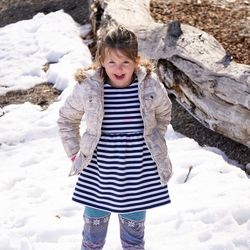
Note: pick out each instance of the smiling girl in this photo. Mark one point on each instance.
(121, 158)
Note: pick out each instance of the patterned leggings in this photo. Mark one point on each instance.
(96, 227)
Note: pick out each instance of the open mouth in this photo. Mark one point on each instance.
(120, 77)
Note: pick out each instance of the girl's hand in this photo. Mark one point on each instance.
(73, 158)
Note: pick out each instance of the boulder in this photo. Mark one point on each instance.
(12, 11)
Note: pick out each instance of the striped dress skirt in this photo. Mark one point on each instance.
(122, 176)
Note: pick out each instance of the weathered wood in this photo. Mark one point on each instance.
(193, 65)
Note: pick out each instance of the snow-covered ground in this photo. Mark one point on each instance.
(210, 211)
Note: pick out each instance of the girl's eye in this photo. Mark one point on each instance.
(126, 62)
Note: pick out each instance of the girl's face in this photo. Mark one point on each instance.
(119, 68)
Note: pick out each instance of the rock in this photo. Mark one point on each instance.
(1, 112)
(248, 168)
(15, 10)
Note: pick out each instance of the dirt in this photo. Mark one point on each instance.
(42, 94)
(225, 22)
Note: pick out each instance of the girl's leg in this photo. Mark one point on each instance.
(132, 230)
(95, 228)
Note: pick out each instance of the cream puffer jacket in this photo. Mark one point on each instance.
(87, 99)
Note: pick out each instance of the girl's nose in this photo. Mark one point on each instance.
(119, 67)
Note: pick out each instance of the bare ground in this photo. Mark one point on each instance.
(42, 94)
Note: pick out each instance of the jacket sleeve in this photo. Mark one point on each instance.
(70, 115)
(163, 108)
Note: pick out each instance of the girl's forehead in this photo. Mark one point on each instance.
(115, 53)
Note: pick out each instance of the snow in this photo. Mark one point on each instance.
(210, 211)
(26, 46)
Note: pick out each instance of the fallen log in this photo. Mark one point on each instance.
(192, 64)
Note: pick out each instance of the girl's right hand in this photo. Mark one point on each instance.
(73, 158)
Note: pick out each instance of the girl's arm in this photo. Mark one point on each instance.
(163, 108)
(70, 115)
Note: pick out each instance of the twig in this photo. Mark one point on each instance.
(189, 171)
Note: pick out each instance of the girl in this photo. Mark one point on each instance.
(121, 158)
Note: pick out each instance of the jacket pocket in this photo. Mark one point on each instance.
(87, 144)
(157, 143)
(164, 167)
(162, 143)
(84, 156)
(79, 164)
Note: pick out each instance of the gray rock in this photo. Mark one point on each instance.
(12, 11)
(248, 168)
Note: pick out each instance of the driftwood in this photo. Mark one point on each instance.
(192, 64)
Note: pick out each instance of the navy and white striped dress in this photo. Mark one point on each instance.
(121, 177)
